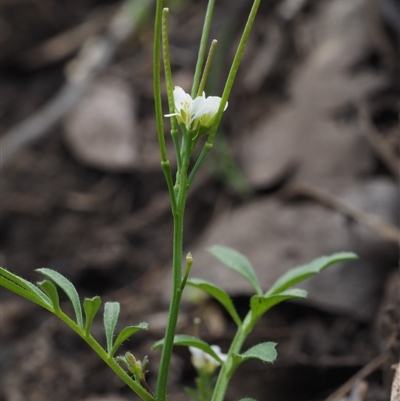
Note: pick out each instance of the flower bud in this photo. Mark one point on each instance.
(134, 366)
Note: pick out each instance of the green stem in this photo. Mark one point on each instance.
(179, 192)
(169, 84)
(189, 263)
(234, 68)
(166, 354)
(207, 147)
(110, 361)
(228, 368)
(162, 380)
(161, 30)
(167, 65)
(228, 87)
(207, 67)
(157, 80)
(166, 168)
(203, 46)
(175, 140)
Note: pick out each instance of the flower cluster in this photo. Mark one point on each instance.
(195, 114)
(204, 362)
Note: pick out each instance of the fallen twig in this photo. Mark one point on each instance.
(67, 42)
(376, 13)
(359, 391)
(382, 146)
(395, 394)
(387, 231)
(361, 374)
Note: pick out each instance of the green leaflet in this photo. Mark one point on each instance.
(51, 290)
(90, 306)
(68, 288)
(265, 352)
(301, 273)
(238, 263)
(189, 341)
(219, 294)
(24, 288)
(125, 334)
(259, 304)
(111, 313)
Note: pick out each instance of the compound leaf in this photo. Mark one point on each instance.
(24, 288)
(68, 288)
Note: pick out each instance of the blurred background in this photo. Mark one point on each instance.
(306, 163)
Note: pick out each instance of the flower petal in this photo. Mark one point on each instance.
(218, 351)
(195, 113)
(182, 99)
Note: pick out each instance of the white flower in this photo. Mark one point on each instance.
(205, 362)
(195, 114)
(183, 106)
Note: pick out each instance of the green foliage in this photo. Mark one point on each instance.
(259, 304)
(51, 290)
(125, 334)
(110, 318)
(205, 384)
(68, 288)
(238, 263)
(190, 341)
(90, 306)
(301, 273)
(193, 393)
(219, 294)
(24, 288)
(264, 352)
(207, 116)
(46, 295)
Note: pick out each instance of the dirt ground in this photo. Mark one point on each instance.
(305, 164)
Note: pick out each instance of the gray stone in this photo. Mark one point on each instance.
(101, 132)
